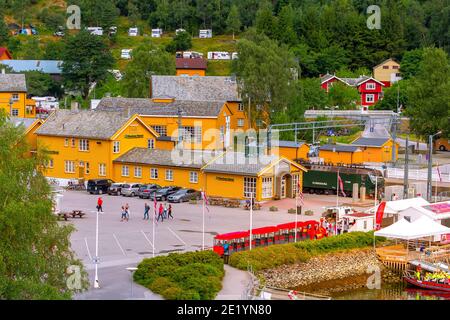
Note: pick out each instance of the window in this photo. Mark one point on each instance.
(370, 86)
(295, 179)
(66, 142)
(154, 173)
(73, 142)
(193, 177)
(267, 187)
(161, 130)
(169, 175)
(102, 169)
(370, 98)
(15, 97)
(394, 67)
(15, 112)
(365, 225)
(240, 122)
(385, 67)
(240, 107)
(249, 187)
(116, 147)
(151, 144)
(87, 168)
(125, 171)
(50, 163)
(81, 164)
(84, 145)
(138, 172)
(69, 166)
(192, 134)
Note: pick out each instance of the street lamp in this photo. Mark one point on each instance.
(430, 164)
(131, 269)
(96, 259)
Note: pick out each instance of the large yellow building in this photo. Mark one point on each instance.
(376, 149)
(13, 96)
(84, 144)
(30, 127)
(340, 154)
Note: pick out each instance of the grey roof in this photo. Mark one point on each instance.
(83, 124)
(353, 82)
(172, 158)
(26, 122)
(149, 107)
(370, 142)
(290, 144)
(237, 162)
(338, 148)
(45, 66)
(12, 82)
(196, 88)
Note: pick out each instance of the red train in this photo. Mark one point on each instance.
(265, 236)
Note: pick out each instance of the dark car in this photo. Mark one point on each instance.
(146, 191)
(183, 195)
(163, 193)
(98, 186)
(115, 189)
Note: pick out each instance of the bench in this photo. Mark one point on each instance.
(78, 213)
(63, 215)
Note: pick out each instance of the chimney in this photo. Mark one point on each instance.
(74, 105)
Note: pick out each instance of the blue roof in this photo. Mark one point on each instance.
(290, 144)
(339, 148)
(45, 66)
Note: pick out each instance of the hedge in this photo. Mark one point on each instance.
(275, 255)
(182, 276)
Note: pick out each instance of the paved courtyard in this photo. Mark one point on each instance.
(125, 244)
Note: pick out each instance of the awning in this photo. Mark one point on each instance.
(421, 228)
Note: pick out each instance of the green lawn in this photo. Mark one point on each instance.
(340, 139)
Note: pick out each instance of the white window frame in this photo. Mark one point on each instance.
(192, 134)
(249, 187)
(150, 143)
(169, 174)
(87, 168)
(116, 146)
(15, 97)
(154, 173)
(102, 169)
(240, 122)
(295, 180)
(66, 142)
(161, 130)
(69, 166)
(73, 143)
(193, 176)
(50, 163)
(370, 86)
(267, 187)
(83, 145)
(370, 95)
(15, 112)
(138, 172)
(125, 171)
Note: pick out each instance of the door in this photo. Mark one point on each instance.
(283, 187)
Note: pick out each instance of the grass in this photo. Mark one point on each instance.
(411, 137)
(183, 276)
(277, 255)
(340, 139)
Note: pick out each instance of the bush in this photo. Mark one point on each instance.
(193, 201)
(309, 213)
(185, 276)
(276, 255)
(273, 208)
(292, 210)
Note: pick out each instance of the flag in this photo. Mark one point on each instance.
(379, 215)
(439, 172)
(341, 185)
(205, 199)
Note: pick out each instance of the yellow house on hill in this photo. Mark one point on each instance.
(84, 144)
(13, 96)
(376, 149)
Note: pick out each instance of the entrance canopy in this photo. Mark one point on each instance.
(420, 228)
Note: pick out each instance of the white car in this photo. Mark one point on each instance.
(133, 32)
(126, 54)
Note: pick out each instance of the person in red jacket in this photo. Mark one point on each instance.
(99, 204)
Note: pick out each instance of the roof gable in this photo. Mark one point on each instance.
(190, 63)
(12, 82)
(5, 51)
(386, 61)
(370, 142)
(129, 123)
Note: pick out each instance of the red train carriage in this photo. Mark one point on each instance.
(235, 240)
(264, 236)
(287, 232)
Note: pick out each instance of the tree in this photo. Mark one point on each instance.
(410, 63)
(35, 249)
(147, 60)
(98, 13)
(133, 13)
(38, 83)
(285, 26)
(4, 32)
(398, 91)
(181, 42)
(265, 22)
(343, 96)
(233, 20)
(429, 95)
(86, 61)
(54, 50)
(31, 50)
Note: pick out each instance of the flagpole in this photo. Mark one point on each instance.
(337, 191)
(435, 192)
(251, 218)
(296, 213)
(153, 232)
(203, 221)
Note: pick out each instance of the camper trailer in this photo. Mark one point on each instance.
(133, 32)
(157, 33)
(206, 33)
(219, 55)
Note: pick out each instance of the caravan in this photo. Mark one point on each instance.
(133, 32)
(96, 31)
(219, 55)
(206, 33)
(157, 33)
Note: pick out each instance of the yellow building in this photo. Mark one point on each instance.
(291, 150)
(13, 96)
(84, 144)
(191, 67)
(30, 127)
(376, 149)
(340, 154)
(206, 125)
(387, 72)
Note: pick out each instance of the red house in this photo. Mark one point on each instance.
(4, 54)
(370, 89)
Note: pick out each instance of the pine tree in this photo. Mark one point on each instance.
(233, 20)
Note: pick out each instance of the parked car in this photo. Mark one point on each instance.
(130, 190)
(98, 186)
(115, 189)
(146, 191)
(183, 195)
(163, 193)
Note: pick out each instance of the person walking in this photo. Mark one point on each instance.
(146, 210)
(99, 204)
(124, 214)
(161, 213)
(165, 211)
(169, 212)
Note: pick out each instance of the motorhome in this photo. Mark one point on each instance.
(206, 33)
(46, 103)
(157, 33)
(219, 55)
(133, 32)
(97, 31)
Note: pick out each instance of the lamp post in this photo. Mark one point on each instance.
(430, 164)
(131, 269)
(96, 259)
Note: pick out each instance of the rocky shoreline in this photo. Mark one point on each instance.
(329, 273)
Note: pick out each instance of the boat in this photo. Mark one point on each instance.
(411, 279)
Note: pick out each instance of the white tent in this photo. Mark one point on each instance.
(422, 227)
(400, 205)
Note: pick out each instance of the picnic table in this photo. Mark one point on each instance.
(78, 213)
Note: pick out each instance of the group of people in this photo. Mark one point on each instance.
(438, 276)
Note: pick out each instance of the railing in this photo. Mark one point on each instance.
(418, 174)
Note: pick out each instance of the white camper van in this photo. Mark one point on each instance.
(97, 31)
(157, 33)
(206, 33)
(133, 32)
(126, 54)
(219, 55)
